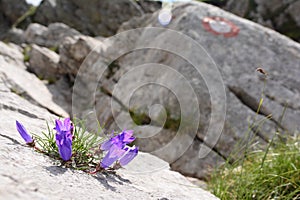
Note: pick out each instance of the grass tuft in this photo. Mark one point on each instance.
(276, 178)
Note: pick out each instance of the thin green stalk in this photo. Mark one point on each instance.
(272, 140)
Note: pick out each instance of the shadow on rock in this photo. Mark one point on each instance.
(55, 170)
(105, 177)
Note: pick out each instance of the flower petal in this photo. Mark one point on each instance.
(58, 125)
(64, 145)
(108, 160)
(129, 156)
(65, 152)
(23, 132)
(67, 124)
(106, 145)
(117, 151)
(64, 126)
(126, 136)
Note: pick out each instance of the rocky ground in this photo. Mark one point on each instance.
(190, 95)
(27, 174)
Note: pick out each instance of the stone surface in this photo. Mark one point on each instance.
(10, 11)
(27, 174)
(148, 80)
(139, 69)
(51, 36)
(14, 35)
(44, 63)
(73, 51)
(11, 53)
(98, 17)
(24, 83)
(282, 16)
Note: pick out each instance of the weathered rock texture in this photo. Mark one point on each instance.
(23, 83)
(131, 71)
(51, 36)
(173, 85)
(44, 62)
(26, 174)
(97, 17)
(10, 11)
(280, 15)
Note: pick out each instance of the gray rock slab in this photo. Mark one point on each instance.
(279, 15)
(51, 36)
(27, 84)
(44, 63)
(27, 174)
(98, 17)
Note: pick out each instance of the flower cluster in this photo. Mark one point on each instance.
(118, 150)
(117, 147)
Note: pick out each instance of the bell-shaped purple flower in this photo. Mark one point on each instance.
(64, 138)
(118, 150)
(24, 134)
(64, 144)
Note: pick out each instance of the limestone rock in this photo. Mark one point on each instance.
(281, 16)
(27, 174)
(35, 33)
(14, 35)
(74, 50)
(11, 53)
(51, 36)
(98, 17)
(10, 11)
(26, 84)
(44, 62)
(188, 70)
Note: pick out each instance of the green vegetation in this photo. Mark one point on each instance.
(270, 174)
(141, 118)
(31, 11)
(26, 53)
(54, 48)
(84, 146)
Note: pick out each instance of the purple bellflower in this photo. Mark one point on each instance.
(118, 150)
(64, 138)
(24, 134)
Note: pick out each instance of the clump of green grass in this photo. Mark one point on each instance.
(272, 174)
(85, 146)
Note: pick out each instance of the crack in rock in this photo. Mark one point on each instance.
(10, 138)
(21, 111)
(253, 104)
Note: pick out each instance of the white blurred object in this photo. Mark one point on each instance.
(165, 16)
(171, 1)
(34, 2)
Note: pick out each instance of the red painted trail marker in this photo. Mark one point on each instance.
(220, 26)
